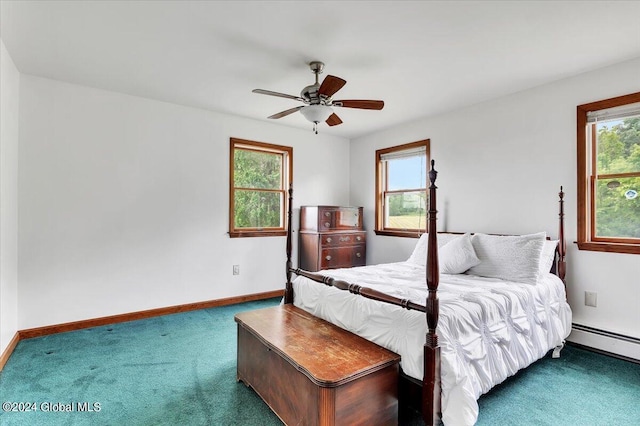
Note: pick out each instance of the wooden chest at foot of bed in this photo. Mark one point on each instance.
(311, 372)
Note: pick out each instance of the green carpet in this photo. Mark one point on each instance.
(579, 388)
(172, 370)
(181, 370)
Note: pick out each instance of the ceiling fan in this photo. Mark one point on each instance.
(318, 101)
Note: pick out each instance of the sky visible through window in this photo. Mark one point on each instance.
(407, 173)
(609, 123)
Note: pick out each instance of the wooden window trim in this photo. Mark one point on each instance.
(381, 189)
(586, 241)
(287, 180)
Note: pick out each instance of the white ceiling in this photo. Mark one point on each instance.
(421, 58)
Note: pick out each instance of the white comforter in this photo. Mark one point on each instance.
(488, 328)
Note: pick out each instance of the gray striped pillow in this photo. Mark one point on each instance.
(511, 257)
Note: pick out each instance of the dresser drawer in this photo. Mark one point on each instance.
(342, 257)
(331, 237)
(330, 218)
(341, 239)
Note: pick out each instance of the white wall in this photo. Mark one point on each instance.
(124, 203)
(501, 164)
(9, 109)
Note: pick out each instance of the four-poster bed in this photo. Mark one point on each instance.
(546, 322)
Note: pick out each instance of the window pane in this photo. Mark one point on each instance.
(617, 208)
(619, 146)
(257, 209)
(254, 169)
(407, 173)
(401, 181)
(406, 210)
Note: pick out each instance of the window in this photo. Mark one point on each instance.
(401, 189)
(260, 177)
(609, 175)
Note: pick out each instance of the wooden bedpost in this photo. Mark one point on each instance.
(562, 244)
(431, 379)
(288, 291)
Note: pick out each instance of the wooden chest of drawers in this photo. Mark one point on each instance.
(331, 237)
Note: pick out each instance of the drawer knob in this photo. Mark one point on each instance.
(345, 239)
(327, 224)
(358, 238)
(329, 239)
(358, 255)
(328, 258)
(327, 214)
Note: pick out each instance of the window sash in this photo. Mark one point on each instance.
(282, 160)
(388, 178)
(255, 228)
(595, 236)
(411, 226)
(419, 152)
(595, 176)
(588, 115)
(412, 223)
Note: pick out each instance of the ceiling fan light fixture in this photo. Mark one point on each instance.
(316, 113)
(318, 100)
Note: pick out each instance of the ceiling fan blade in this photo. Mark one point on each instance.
(331, 85)
(360, 103)
(287, 112)
(281, 95)
(333, 120)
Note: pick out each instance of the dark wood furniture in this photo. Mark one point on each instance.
(429, 389)
(331, 237)
(311, 372)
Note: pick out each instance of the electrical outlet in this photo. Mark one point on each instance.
(236, 269)
(591, 298)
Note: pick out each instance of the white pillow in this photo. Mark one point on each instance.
(457, 256)
(419, 254)
(547, 256)
(511, 258)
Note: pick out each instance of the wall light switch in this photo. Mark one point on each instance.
(236, 269)
(591, 298)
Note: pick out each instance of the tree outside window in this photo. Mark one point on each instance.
(616, 202)
(609, 175)
(260, 176)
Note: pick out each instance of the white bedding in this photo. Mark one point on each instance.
(488, 328)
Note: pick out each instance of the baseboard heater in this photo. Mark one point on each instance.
(606, 342)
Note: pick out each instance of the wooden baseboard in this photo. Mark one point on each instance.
(4, 357)
(133, 316)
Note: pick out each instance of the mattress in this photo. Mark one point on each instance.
(488, 328)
